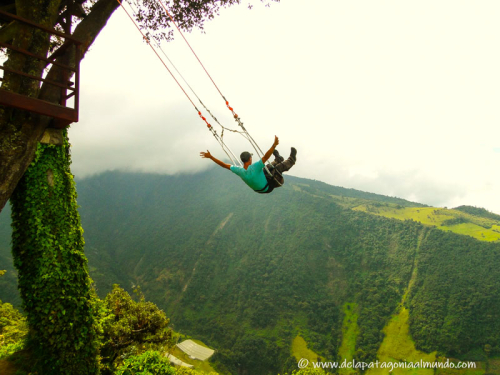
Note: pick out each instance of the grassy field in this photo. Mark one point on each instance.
(494, 365)
(300, 350)
(397, 346)
(480, 228)
(349, 334)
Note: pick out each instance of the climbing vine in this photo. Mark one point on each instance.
(47, 244)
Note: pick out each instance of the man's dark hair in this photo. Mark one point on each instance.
(245, 156)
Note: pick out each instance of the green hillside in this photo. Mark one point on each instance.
(263, 278)
(477, 223)
(478, 211)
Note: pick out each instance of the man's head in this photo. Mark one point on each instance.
(245, 156)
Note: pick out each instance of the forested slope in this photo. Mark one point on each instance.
(248, 272)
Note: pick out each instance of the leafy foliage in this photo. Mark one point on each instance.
(188, 14)
(131, 328)
(13, 328)
(147, 363)
(13, 325)
(455, 221)
(153, 363)
(47, 245)
(455, 303)
(478, 211)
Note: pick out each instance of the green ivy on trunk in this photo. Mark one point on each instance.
(47, 245)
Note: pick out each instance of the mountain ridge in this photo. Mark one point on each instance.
(247, 273)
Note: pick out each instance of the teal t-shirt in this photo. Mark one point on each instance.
(253, 176)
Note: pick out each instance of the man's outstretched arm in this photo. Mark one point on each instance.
(268, 154)
(207, 155)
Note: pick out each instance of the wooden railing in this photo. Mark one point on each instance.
(62, 114)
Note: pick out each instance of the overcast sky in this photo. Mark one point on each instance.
(393, 97)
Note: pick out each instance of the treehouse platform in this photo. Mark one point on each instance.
(69, 77)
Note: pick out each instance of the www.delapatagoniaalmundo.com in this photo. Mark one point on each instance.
(303, 363)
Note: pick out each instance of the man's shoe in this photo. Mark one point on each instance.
(278, 158)
(293, 154)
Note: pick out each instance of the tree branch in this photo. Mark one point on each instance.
(86, 31)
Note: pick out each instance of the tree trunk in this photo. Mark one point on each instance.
(61, 307)
(20, 131)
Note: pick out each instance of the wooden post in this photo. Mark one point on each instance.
(52, 136)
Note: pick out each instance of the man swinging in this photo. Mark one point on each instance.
(256, 175)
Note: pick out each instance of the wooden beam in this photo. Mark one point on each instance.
(41, 27)
(41, 107)
(23, 51)
(68, 87)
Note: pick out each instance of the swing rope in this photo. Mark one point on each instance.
(219, 139)
(236, 117)
(189, 45)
